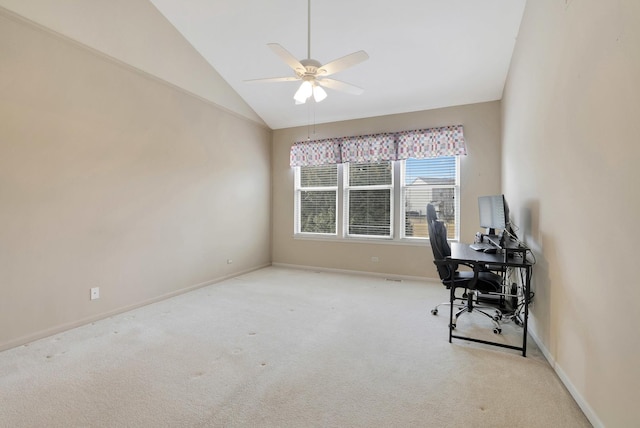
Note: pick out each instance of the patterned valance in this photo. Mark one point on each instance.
(313, 153)
(369, 148)
(431, 143)
(423, 143)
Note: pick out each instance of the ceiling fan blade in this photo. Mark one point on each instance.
(273, 79)
(342, 63)
(286, 56)
(340, 86)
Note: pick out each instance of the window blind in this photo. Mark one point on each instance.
(368, 198)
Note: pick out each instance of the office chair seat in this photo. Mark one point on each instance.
(486, 281)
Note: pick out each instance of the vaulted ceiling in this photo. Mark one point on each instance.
(423, 54)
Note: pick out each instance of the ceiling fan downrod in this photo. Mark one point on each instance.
(308, 29)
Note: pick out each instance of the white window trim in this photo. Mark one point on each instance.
(401, 203)
(297, 205)
(397, 215)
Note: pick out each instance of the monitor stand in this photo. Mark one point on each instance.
(497, 240)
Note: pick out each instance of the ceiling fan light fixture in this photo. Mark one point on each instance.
(319, 94)
(304, 92)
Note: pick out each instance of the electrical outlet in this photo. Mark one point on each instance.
(95, 293)
(374, 260)
(229, 261)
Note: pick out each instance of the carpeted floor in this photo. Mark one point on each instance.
(281, 347)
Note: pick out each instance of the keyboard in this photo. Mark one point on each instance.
(481, 246)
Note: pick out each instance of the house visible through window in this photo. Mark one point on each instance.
(430, 181)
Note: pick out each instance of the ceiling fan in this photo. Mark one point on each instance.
(312, 73)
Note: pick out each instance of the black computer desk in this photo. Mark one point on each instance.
(512, 256)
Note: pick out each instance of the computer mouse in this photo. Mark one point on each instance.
(490, 250)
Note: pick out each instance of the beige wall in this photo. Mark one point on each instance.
(111, 178)
(570, 126)
(480, 174)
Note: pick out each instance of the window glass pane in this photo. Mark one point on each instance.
(316, 199)
(318, 211)
(370, 212)
(440, 170)
(368, 199)
(319, 176)
(429, 181)
(370, 174)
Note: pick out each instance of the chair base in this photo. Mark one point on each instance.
(495, 319)
(481, 303)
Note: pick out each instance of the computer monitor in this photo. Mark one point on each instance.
(494, 213)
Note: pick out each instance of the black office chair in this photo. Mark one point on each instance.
(474, 283)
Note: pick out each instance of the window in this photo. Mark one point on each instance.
(316, 199)
(385, 200)
(368, 190)
(430, 181)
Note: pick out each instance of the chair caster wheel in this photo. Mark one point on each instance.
(434, 312)
(452, 326)
(516, 320)
(497, 330)
(497, 318)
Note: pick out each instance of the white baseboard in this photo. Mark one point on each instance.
(68, 326)
(582, 403)
(389, 276)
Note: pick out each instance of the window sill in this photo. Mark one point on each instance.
(420, 242)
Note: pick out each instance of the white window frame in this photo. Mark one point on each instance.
(398, 217)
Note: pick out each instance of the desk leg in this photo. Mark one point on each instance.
(527, 292)
(452, 296)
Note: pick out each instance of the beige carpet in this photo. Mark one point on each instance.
(281, 348)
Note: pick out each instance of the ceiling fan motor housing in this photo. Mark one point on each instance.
(311, 67)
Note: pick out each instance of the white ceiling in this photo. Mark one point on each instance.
(424, 54)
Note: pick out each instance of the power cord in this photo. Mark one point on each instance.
(511, 231)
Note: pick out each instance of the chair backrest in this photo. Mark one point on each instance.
(439, 245)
